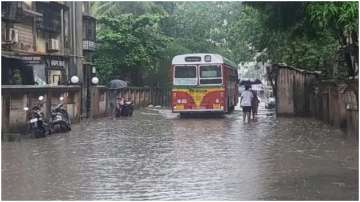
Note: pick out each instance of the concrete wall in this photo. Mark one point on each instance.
(99, 101)
(104, 98)
(77, 55)
(26, 38)
(15, 98)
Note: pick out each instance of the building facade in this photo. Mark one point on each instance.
(46, 43)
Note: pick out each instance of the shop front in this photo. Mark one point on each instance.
(33, 70)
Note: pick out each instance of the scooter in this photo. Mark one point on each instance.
(124, 108)
(127, 108)
(37, 126)
(119, 106)
(60, 121)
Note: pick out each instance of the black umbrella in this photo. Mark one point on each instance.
(117, 83)
(250, 82)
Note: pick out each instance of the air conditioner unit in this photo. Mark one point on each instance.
(13, 35)
(53, 45)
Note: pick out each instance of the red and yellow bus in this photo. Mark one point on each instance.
(203, 83)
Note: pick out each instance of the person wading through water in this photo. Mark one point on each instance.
(254, 104)
(245, 102)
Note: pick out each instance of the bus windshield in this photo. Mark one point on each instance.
(210, 74)
(185, 75)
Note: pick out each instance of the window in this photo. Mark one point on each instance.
(54, 77)
(66, 29)
(210, 74)
(185, 75)
(210, 81)
(185, 72)
(16, 72)
(89, 29)
(210, 71)
(51, 20)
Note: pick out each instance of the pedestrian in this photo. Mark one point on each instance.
(254, 104)
(245, 102)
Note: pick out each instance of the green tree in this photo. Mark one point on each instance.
(114, 8)
(286, 31)
(139, 39)
(128, 47)
(341, 19)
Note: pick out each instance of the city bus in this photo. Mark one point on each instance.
(203, 83)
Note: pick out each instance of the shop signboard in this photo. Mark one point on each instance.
(31, 60)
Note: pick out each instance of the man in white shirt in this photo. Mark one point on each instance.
(245, 102)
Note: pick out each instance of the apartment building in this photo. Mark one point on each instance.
(46, 43)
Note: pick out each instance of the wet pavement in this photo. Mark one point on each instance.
(155, 155)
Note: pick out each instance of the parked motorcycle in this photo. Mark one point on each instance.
(127, 108)
(123, 107)
(37, 126)
(270, 103)
(118, 106)
(60, 121)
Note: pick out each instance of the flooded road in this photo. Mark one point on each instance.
(155, 155)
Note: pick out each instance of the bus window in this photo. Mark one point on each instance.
(185, 75)
(210, 75)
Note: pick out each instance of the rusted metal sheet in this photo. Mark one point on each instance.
(301, 92)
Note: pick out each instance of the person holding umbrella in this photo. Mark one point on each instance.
(246, 102)
(254, 104)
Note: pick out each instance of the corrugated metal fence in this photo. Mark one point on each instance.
(302, 93)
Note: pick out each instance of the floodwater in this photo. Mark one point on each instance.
(155, 155)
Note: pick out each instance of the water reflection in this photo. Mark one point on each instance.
(155, 155)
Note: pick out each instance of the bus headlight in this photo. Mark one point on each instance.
(217, 100)
(178, 101)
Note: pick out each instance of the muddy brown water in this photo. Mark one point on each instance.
(155, 155)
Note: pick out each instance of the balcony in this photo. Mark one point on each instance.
(17, 11)
(89, 33)
(51, 20)
(9, 10)
(89, 45)
(49, 25)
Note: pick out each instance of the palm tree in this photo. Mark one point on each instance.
(112, 9)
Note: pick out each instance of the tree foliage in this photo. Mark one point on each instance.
(341, 20)
(308, 35)
(137, 40)
(128, 44)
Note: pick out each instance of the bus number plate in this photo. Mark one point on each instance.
(216, 106)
